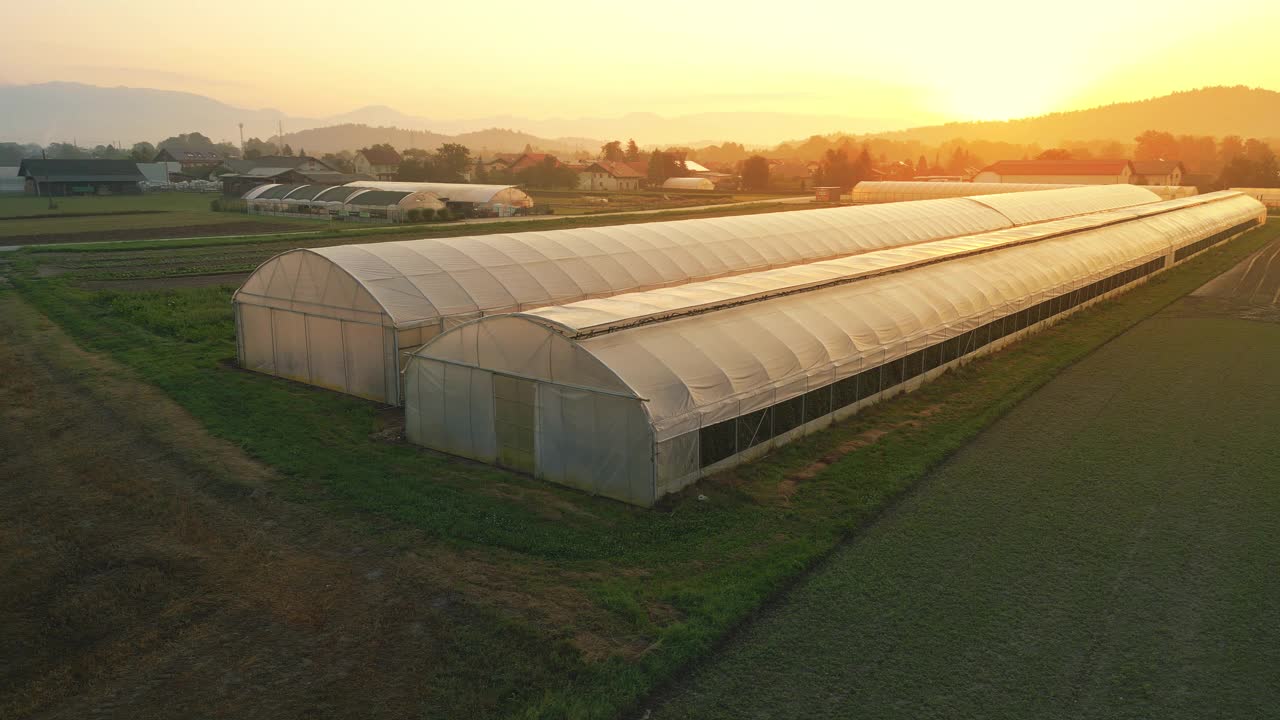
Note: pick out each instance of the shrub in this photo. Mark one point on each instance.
(428, 214)
(216, 205)
(414, 215)
(443, 215)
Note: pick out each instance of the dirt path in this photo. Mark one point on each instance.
(149, 572)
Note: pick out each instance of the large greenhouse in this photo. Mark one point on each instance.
(344, 201)
(637, 395)
(887, 191)
(342, 317)
(464, 197)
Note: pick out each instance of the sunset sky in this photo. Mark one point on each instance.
(916, 61)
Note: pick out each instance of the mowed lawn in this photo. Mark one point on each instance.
(1109, 549)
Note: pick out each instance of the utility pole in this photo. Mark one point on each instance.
(241, 139)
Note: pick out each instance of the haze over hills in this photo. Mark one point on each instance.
(1216, 111)
(62, 112)
(66, 111)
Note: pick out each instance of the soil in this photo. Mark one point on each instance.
(167, 283)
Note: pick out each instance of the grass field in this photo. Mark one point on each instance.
(602, 602)
(25, 219)
(1106, 550)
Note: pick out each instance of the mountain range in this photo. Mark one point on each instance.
(1216, 111)
(90, 115)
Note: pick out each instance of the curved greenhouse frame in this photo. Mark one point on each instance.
(638, 395)
(688, 183)
(886, 191)
(340, 316)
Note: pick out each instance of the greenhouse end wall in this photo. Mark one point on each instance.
(583, 438)
(349, 356)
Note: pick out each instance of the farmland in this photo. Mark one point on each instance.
(1106, 550)
(74, 220)
(29, 220)
(395, 576)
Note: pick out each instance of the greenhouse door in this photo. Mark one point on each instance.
(514, 413)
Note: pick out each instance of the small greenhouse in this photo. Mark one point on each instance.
(688, 183)
(637, 395)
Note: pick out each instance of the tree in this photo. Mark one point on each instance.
(1255, 165)
(549, 174)
(255, 148)
(452, 161)
(755, 173)
(15, 153)
(1153, 145)
(342, 161)
(65, 151)
(663, 166)
(287, 151)
(612, 151)
(143, 152)
(187, 141)
(1230, 147)
(633, 151)
(1056, 154)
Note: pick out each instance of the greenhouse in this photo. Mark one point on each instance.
(462, 197)
(688, 183)
(340, 317)
(638, 395)
(1267, 196)
(888, 191)
(342, 202)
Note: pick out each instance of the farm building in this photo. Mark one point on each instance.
(81, 177)
(341, 317)
(11, 181)
(193, 163)
(463, 198)
(380, 162)
(1267, 196)
(341, 202)
(899, 191)
(609, 175)
(244, 175)
(638, 395)
(688, 183)
(1158, 172)
(1070, 172)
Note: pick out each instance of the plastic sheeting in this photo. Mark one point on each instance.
(456, 192)
(709, 381)
(900, 191)
(885, 191)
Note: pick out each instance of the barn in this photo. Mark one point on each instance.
(81, 177)
(341, 317)
(638, 395)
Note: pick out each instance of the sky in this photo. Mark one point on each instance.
(918, 62)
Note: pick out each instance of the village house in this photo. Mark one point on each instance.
(380, 162)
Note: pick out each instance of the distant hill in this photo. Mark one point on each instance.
(352, 136)
(1216, 111)
(90, 115)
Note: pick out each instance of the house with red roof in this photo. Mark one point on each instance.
(609, 175)
(1068, 172)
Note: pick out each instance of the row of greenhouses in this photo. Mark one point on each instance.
(887, 191)
(341, 316)
(629, 361)
(383, 201)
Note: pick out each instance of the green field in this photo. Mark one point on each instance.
(92, 218)
(1106, 550)
(600, 602)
